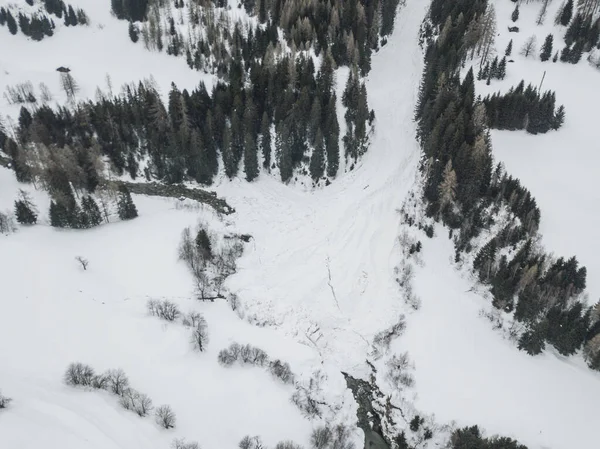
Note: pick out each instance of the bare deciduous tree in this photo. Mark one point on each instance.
(165, 417)
(69, 85)
(163, 309)
(180, 443)
(529, 48)
(200, 334)
(79, 374)
(83, 262)
(321, 437)
(117, 381)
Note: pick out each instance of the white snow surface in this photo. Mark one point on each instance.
(316, 283)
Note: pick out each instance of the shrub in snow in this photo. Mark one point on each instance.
(282, 371)
(249, 442)
(117, 381)
(7, 223)
(135, 401)
(191, 319)
(165, 417)
(245, 354)
(309, 396)
(83, 262)
(288, 444)
(383, 339)
(79, 374)
(164, 309)
(398, 367)
(180, 443)
(4, 401)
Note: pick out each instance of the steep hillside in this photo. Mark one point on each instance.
(389, 333)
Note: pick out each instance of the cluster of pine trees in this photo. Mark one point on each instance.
(471, 438)
(464, 191)
(493, 70)
(524, 108)
(583, 32)
(39, 25)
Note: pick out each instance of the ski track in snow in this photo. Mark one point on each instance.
(306, 247)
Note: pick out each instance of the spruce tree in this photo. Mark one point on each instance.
(25, 211)
(502, 68)
(559, 117)
(332, 143)
(317, 160)
(133, 33)
(11, 23)
(555, 57)
(547, 48)
(509, 47)
(515, 14)
(576, 52)
(567, 13)
(125, 206)
(250, 157)
(265, 140)
(91, 211)
(203, 244)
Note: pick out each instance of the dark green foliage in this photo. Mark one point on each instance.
(521, 108)
(471, 438)
(203, 243)
(388, 16)
(515, 14)
(533, 341)
(11, 23)
(125, 206)
(415, 423)
(401, 442)
(317, 160)
(133, 33)
(547, 48)
(567, 13)
(509, 47)
(25, 210)
(90, 212)
(133, 10)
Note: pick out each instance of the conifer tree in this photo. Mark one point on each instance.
(91, 211)
(332, 144)
(447, 188)
(559, 117)
(203, 244)
(508, 50)
(265, 140)
(11, 23)
(567, 13)
(317, 160)
(250, 157)
(515, 14)
(555, 57)
(502, 68)
(547, 48)
(576, 52)
(125, 205)
(25, 211)
(133, 33)
(284, 152)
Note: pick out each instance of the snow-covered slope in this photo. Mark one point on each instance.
(316, 283)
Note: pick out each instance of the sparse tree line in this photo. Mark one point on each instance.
(169, 311)
(251, 355)
(39, 25)
(464, 190)
(116, 382)
(323, 437)
(24, 93)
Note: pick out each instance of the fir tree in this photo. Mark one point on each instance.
(91, 211)
(567, 13)
(547, 48)
(11, 23)
(203, 244)
(24, 209)
(533, 341)
(576, 52)
(133, 33)
(125, 205)
(317, 160)
(555, 57)
(509, 47)
(332, 133)
(265, 139)
(502, 68)
(559, 117)
(515, 14)
(250, 157)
